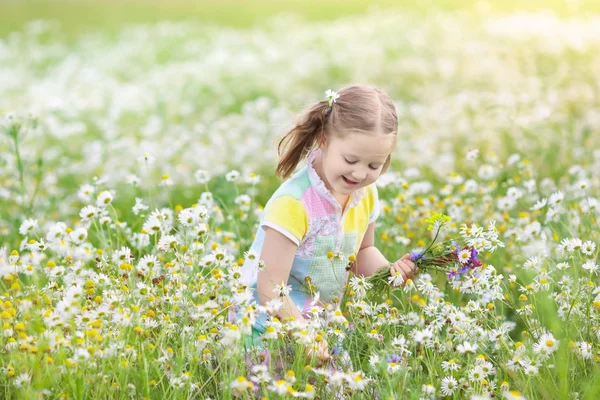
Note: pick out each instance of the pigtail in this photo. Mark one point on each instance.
(301, 139)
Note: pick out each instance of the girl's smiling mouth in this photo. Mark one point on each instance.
(349, 182)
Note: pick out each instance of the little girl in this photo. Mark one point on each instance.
(323, 217)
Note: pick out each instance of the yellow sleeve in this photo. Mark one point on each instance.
(287, 215)
(374, 208)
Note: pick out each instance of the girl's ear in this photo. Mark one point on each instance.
(322, 140)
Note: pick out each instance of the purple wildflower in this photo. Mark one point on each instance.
(474, 253)
(456, 247)
(416, 255)
(395, 358)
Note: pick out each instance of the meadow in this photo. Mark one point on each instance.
(136, 162)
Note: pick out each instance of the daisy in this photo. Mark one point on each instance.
(360, 285)
(556, 198)
(396, 279)
(104, 199)
(428, 389)
(574, 245)
(393, 367)
(282, 289)
(562, 265)
(281, 387)
(585, 350)
(472, 155)
(467, 347)
(133, 180)
(547, 340)
(270, 333)
(146, 159)
(513, 395)
(231, 335)
(85, 192)
(487, 368)
(450, 365)
(410, 286)
(81, 355)
(331, 96)
(202, 176)
(123, 255)
(374, 360)
(476, 374)
(303, 337)
(261, 374)
(200, 230)
(251, 255)
(591, 267)
(539, 204)
(274, 305)
(27, 226)
(337, 317)
(373, 334)
(147, 263)
(531, 370)
(167, 242)
(152, 225)
(449, 386)
(22, 380)
(423, 336)
(357, 380)
(588, 248)
(232, 176)
(139, 206)
(464, 256)
(541, 350)
(252, 178)
(78, 236)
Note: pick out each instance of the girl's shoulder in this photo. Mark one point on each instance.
(295, 186)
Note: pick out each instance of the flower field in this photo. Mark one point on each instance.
(135, 164)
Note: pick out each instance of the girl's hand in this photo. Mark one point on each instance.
(405, 267)
(321, 352)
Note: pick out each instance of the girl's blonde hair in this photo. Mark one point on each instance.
(359, 108)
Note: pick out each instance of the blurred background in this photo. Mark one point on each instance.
(76, 16)
(144, 98)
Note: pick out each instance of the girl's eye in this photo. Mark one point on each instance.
(350, 162)
(373, 168)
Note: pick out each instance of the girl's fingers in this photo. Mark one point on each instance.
(405, 268)
(323, 350)
(411, 265)
(410, 269)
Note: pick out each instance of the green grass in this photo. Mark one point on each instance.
(78, 16)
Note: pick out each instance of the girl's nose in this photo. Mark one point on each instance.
(359, 176)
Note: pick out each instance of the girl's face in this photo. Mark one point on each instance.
(352, 162)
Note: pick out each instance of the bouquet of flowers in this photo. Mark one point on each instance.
(455, 257)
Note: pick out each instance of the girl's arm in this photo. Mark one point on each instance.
(369, 259)
(278, 255)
